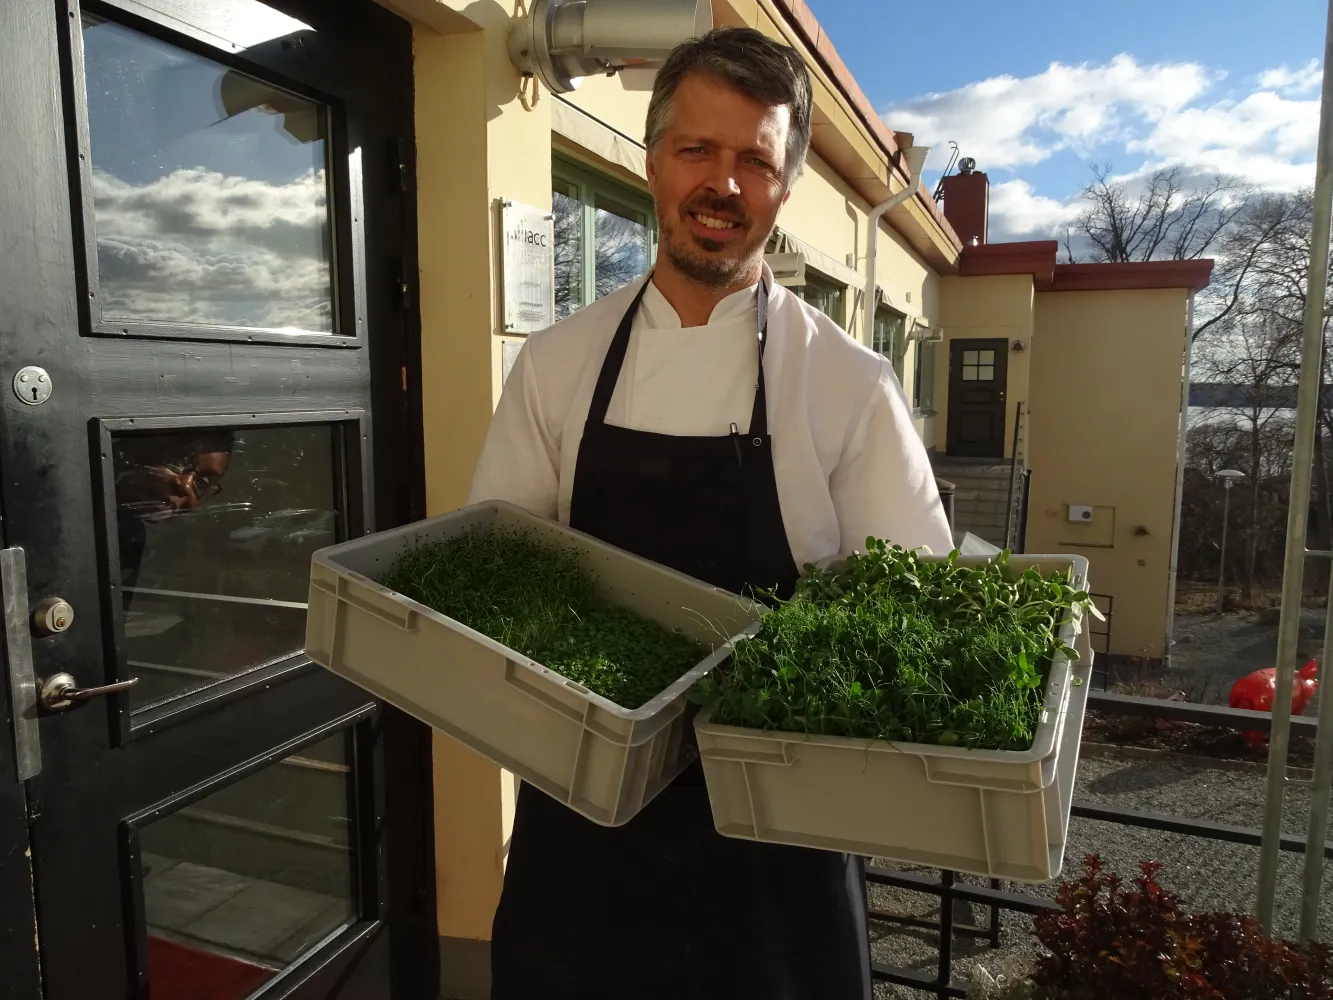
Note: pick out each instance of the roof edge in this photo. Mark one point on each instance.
(1193, 275)
(803, 20)
(1037, 258)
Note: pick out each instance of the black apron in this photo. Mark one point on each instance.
(664, 907)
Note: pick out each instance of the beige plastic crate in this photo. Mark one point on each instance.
(998, 813)
(601, 760)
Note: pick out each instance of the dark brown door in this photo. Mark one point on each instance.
(202, 341)
(977, 371)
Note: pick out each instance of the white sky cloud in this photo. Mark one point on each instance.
(1136, 116)
(196, 246)
(1019, 213)
(1294, 81)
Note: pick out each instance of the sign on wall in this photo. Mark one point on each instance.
(528, 263)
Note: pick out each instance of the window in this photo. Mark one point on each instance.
(978, 366)
(923, 378)
(890, 337)
(605, 235)
(822, 293)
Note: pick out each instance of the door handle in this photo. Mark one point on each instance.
(18, 658)
(61, 691)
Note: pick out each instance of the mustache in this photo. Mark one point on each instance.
(728, 208)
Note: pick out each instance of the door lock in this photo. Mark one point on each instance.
(53, 615)
(60, 691)
(32, 385)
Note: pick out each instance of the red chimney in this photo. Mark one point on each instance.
(967, 201)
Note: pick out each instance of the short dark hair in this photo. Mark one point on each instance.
(752, 63)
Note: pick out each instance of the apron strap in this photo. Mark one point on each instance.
(615, 359)
(759, 415)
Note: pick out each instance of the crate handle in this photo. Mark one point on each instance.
(393, 614)
(520, 678)
(785, 757)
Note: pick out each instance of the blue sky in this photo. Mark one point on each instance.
(1037, 90)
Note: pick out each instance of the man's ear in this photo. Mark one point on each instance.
(786, 196)
(650, 172)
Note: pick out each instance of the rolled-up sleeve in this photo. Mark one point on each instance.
(884, 486)
(520, 458)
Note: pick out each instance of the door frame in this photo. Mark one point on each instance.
(389, 330)
(956, 347)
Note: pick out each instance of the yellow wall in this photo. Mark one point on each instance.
(999, 306)
(475, 145)
(1105, 418)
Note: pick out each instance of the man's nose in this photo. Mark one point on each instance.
(723, 178)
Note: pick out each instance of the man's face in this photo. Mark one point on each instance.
(717, 177)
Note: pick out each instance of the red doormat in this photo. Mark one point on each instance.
(176, 972)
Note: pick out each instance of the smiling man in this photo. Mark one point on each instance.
(706, 418)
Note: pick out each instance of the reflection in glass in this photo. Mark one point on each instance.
(568, 212)
(621, 237)
(244, 882)
(209, 190)
(215, 532)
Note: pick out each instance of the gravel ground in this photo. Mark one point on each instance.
(1207, 874)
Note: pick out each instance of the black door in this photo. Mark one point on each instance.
(204, 340)
(976, 398)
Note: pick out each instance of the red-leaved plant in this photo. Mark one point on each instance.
(1110, 941)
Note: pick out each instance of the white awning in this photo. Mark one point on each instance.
(785, 242)
(584, 130)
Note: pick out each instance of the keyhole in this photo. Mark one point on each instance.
(34, 394)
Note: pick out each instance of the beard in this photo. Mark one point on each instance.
(714, 263)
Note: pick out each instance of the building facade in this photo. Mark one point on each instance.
(253, 302)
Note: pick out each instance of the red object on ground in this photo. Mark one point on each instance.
(177, 972)
(1255, 692)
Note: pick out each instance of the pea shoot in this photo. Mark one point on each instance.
(538, 601)
(892, 646)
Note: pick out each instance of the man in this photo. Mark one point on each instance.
(705, 418)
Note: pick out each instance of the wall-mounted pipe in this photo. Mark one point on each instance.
(915, 158)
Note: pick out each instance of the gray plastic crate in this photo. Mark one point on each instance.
(998, 813)
(604, 761)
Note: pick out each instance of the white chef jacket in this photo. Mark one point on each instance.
(847, 459)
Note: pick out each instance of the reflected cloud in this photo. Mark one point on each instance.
(197, 246)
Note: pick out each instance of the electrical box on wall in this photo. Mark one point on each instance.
(1088, 526)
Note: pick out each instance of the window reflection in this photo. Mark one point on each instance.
(246, 881)
(209, 190)
(568, 211)
(621, 245)
(215, 530)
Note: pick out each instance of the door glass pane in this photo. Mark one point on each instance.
(568, 212)
(969, 373)
(244, 882)
(987, 357)
(970, 357)
(209, 190)
(987, 373)
(620, 243)
(215, 532)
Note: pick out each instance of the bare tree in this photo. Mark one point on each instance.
(1169, 219)
(1258, 355)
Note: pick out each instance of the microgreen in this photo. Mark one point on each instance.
(538, 601)
(892, 646)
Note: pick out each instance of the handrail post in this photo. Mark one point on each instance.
(1013, 468)
(1307, 406)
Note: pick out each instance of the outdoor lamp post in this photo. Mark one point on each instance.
(1228, 477)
